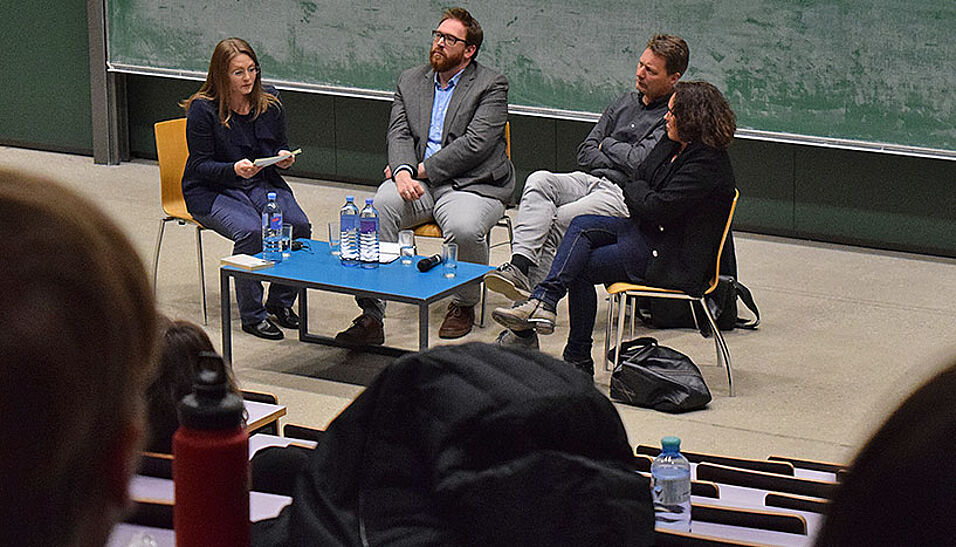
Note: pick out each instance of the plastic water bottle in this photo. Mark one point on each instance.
(348, 240)
(211, 462)
(272, 230)
(670, 487)
(368, 235)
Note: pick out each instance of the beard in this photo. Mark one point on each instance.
(442, 60)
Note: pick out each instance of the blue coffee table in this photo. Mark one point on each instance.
(315, 268)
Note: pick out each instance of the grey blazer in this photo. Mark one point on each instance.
(473, 155)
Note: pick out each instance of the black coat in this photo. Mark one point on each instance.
(682, 209)
(470, 445)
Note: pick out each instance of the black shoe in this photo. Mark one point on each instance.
(585, 365)
(285, 317)
(264, 329)
(365, 331)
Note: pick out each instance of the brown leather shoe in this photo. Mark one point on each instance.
(365, 331)
(458, 321)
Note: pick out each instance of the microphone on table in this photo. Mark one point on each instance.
(426, 264)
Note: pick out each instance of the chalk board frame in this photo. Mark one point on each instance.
(750, 134)
(107, 86)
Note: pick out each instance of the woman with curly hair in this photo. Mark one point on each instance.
(678, 203)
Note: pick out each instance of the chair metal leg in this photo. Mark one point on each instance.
(484, 299)
(634, 305)
(723, 352)
(505, 222)
(621, 315)
(511, 235)
(159, 244)
(608, 329)
(202, 274)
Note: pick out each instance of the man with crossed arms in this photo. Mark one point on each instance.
(447, 162)
(618, 144)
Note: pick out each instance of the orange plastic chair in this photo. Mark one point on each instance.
(621, 293)
(171, 150)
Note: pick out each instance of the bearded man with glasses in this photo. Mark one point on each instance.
(447, 162)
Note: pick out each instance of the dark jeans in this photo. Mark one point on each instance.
(237, 214)
(595, 249)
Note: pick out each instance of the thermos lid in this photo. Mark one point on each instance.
(211, 405)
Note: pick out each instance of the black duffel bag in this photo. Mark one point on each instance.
(654, 376)
(661, 313)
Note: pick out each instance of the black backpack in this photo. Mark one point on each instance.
(663, 313)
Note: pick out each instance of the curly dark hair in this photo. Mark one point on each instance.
(703, 114)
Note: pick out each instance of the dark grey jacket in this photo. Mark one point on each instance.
(623, 137)
(473, 155)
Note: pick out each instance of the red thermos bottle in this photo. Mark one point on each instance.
(211, 463)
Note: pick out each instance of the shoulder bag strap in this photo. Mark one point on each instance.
(747, 298)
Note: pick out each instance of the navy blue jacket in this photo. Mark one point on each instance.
(215, 148)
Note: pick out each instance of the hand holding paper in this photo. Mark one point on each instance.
(284, 159)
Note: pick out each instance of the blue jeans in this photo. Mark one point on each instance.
(237, 214)
(595, 249)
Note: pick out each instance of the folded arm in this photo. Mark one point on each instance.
(627, 156)
(685, 189)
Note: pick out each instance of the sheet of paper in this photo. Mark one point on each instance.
(387, 252)
(266, 162)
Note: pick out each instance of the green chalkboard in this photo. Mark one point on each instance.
(863, 70)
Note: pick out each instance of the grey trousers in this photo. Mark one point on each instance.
(549, 203)
(465, 218)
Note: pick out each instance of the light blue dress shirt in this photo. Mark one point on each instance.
(439, 108)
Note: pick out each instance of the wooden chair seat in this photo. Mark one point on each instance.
(172, 152)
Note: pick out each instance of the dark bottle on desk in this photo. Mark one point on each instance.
(211, 462)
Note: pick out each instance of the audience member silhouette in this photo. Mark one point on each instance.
(76, 354)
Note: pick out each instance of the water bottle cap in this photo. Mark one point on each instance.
(211, 405)
(349, 198)
(368, 201)
(271, 196)
(670, 444)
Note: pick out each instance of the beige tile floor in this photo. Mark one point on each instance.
(846, 332)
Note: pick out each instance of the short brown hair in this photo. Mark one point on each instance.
(673, 49)
(76, 355)
(703, 114)
(217, 88)
(473, 33)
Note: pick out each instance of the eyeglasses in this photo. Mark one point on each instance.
(251, 70)
(450, 41)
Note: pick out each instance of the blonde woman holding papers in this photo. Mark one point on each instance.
(232, 120)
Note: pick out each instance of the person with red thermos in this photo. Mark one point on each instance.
(211, 462)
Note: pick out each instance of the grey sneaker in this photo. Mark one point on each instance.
(528, 314)
(509, 281)
(510, 339)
